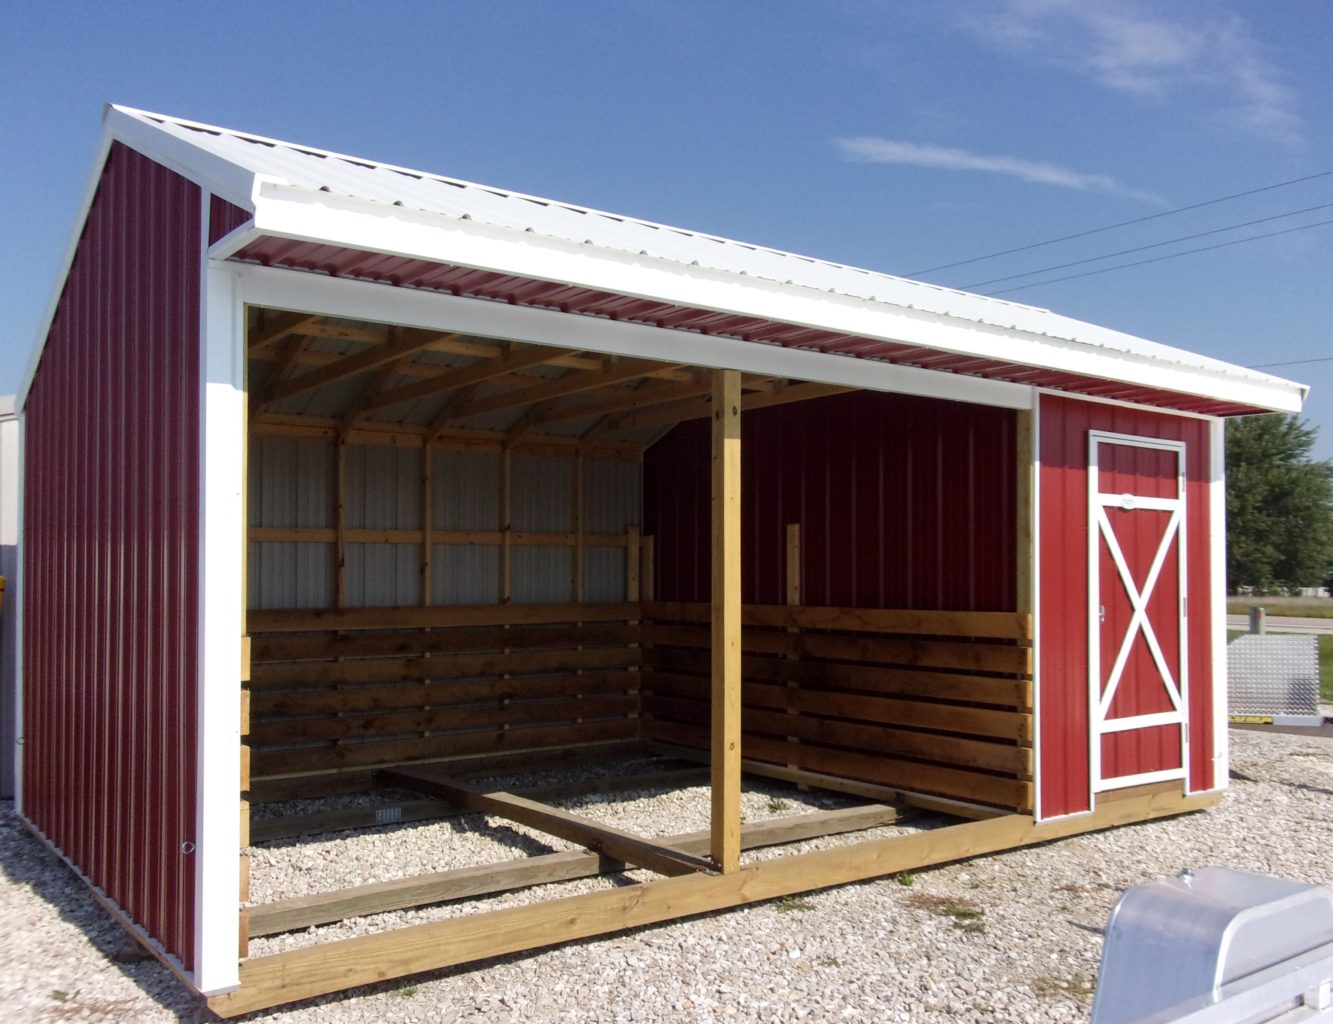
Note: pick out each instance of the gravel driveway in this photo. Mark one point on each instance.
(1011, 937)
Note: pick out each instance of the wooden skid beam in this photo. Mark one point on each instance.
(487, 879)
(853, 787)
(312, 971)
(422, 810)
(597, 837)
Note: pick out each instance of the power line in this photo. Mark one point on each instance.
(1142, 248)
(1159, 259)
(1293, 362)
(1122, 224)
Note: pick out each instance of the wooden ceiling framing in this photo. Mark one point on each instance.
(615, 400)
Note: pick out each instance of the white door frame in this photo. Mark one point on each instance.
(1099, 530)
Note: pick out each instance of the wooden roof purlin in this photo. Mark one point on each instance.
(598, 398)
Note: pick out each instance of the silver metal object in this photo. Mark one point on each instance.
(1216, 946)
(1274, 678)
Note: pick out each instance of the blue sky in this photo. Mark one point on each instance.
(892, 135)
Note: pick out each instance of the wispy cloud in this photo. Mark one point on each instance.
(869, 149)
(1126, 46)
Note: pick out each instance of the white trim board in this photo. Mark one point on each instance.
(303, 214)
(222, 428)
(306, 292)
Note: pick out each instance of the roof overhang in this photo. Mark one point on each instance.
(485, 243)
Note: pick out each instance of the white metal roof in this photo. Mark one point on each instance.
(313, 195)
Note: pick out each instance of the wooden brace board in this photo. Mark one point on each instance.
(312, 971)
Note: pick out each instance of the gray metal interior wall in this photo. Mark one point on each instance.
(293, 486)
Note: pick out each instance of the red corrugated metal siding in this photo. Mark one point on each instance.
(111, 537)
(224, 218)
(415, 273)
(1063, 639)
(903, 502)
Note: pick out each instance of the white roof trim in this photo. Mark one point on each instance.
(323, 197)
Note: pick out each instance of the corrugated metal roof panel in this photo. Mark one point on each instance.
(545, 232)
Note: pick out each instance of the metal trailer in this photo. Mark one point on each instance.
(1218, 946)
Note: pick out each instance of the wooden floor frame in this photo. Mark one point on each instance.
(278, 978)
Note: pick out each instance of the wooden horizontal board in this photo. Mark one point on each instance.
(872, 767)
(367, 698)
(362, 780)
(327, 431)
(993, 625)
(487, 879)
(979, 657)
(426, 748)
(883, 679)
(461, 538)
(329, 967)
(832, 783)
(452, 666)
(276, 620)
(988, 722)
(271, 732)
(419, 810)
(297, 646)
(877, 739)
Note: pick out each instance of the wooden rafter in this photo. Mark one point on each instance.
(642, 397)
(463, 347)
(614, 371)
(274, 326)
(499, 364)
(409, 343)
(701, 408)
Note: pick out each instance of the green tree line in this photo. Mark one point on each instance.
(1279, 506)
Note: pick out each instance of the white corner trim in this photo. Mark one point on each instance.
(288, 211)
(221, 624)
(14, 606)
(1217, 582)
(362, 300)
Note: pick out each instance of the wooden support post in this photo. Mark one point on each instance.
(340, 525)
(1025, 458)
(427, 515)
(578, 527)
(793, 574)
(506, 524)
(725, 844)
(632, 555)
(647, 579)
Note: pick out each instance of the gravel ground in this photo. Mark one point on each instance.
(1011, 937)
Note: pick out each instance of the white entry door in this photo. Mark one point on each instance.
(1137, 657)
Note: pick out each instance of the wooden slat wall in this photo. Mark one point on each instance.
(356, 688)
(929, 702)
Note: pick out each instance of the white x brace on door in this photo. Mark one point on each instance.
(1137, 664)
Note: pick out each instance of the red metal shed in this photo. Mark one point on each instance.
(977, 546)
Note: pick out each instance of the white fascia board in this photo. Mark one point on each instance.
(224, 178)
(307, 292)
(304, 214)
(233, 183)
(221, 625)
